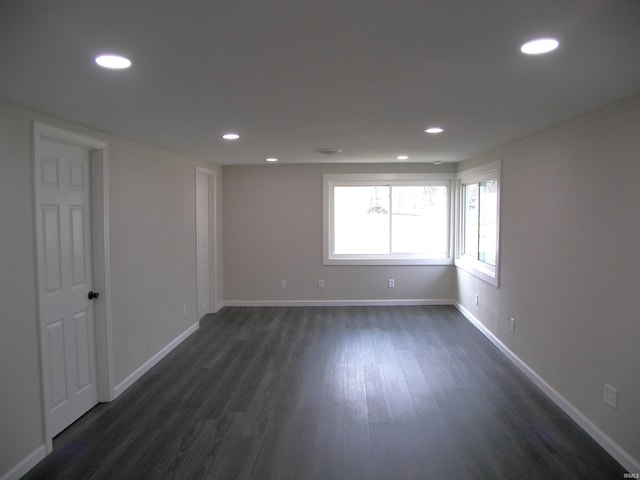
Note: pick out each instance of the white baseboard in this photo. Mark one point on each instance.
(40, 453)
(217, 307)
(131, 379)
(337, 303)
(616, 451)
(27, 464)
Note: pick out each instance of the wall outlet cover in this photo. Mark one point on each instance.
(610, 396)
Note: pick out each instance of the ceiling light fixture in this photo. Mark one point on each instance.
(231, 136)
(437, 163)
(272, 159)
(113, 62)
(402, 157)
(539, 46)
(434, 130)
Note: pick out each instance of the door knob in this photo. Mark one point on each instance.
(93, 295)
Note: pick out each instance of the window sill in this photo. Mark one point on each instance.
(346, 260)
(481, 270)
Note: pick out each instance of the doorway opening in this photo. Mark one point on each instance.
(206, 241)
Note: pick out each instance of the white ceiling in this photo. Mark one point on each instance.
(291, 76)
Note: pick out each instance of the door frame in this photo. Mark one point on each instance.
(213, 256)
(100, 247)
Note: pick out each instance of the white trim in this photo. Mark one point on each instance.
(481, 172)
(213, 237)
(26, 464)
(60, 135)
(101, 267)
(102, 271)
(218, 307)
(337, 303)
(149, 364)
(616, 451)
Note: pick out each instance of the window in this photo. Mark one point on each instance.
(478, 232)
(387, 219)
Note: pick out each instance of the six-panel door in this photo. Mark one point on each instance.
(65, 268)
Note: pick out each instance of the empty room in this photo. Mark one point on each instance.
(328, 240)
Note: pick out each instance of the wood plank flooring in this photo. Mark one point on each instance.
(330, 393)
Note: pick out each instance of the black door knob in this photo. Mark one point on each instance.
(93, 295)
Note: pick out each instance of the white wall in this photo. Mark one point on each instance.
(153, 267)
(152, 234)
(273, 231)
(570, 226)
(21, 413)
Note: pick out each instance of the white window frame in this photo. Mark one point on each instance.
(482, 270)
(330, 181)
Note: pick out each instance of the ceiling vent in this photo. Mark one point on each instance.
(328, 151)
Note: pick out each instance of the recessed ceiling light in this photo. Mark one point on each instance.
(114, 62)
(402, 157)
(434, 130)
(272, 159)
(231, 136)
(539, 46)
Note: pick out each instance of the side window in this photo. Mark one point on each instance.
(479, 229)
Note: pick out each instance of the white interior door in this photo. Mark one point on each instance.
(202, 243)
(63, 183)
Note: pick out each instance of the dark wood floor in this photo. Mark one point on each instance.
(330, 393)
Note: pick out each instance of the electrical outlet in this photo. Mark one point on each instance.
(610, 396)
(320, 283)
(512, 324)
(392, 283)
(283, 284)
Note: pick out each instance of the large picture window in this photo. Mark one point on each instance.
(387, 219)
(478, 233)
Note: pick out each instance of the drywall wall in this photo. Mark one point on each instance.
(569, 237)
(152, 238)
(20, 398)
(153, 268)
(273, 231)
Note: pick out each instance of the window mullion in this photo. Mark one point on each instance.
(463, 219)
(479, 220)
(390, 217)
